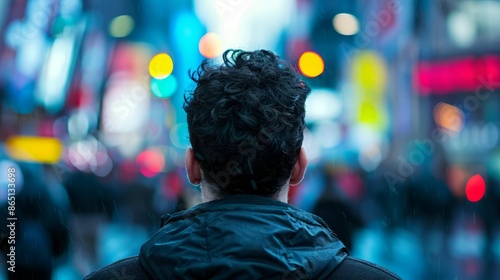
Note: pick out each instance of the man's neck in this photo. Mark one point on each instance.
(208, 195)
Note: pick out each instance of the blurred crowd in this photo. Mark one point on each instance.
(402, 123)
(72, 223)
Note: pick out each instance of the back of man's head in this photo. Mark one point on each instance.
(246, 122)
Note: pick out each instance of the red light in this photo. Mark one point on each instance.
(151, 162)
(465, 74)
(475, 188)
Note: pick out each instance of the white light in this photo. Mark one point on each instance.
(102, 164)
(307, 141)
(75, 158)
(370, 158)
(462, 28)
(125, 107)
(247, 24)
(78, 124)
(5, 165)
(345, 24)
(327, 134)
(361, 136)
(312, 148)
(54, 77)
(30, 56)
(322, 104)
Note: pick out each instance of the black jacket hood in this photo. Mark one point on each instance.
(242, 237)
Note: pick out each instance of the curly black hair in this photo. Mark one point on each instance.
(246, 121)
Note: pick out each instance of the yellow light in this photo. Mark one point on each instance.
(345, 24)
(161, 66)
(121, 26)
(369, 72)
(311, 64)
(210, 45)
(34, 149)
(368, 113)
(449, 117)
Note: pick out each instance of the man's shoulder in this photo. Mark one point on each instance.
(353, 268)
(126, 269)
(349, 268)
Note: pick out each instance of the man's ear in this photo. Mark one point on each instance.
(299, 169)
(192, 167)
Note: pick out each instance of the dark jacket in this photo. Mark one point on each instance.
(243, 237)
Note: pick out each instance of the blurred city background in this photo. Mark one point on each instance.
(402, 124)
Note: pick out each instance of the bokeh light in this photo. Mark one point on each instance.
(179, 135)
(5, 164)
(368, 113)
(210, 45)
(449, 117)
(78, 124)
(462, 28)
(101, 164)
(34, 149)
(345, 24)
(369, 72)
(164, 88)
(89, 155)
(323, 104)
(475, 188)
(310, 144)
(121, 26)
(327, 133)
(161, 66)
(370, 157)
(151, 161)
(311, 64)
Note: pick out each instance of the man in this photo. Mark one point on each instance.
(246, 123)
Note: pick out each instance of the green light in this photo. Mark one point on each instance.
(164, 88)
(121, 26)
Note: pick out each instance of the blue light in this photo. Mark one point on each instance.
(164, 88)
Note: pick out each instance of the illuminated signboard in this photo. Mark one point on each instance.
(467, 74)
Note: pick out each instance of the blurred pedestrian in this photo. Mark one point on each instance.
(41, 227)
(335, 206)
(92, 206)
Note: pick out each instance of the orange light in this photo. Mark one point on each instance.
(210, 45)
(449, 117)
(311, 64)
(34, 149)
